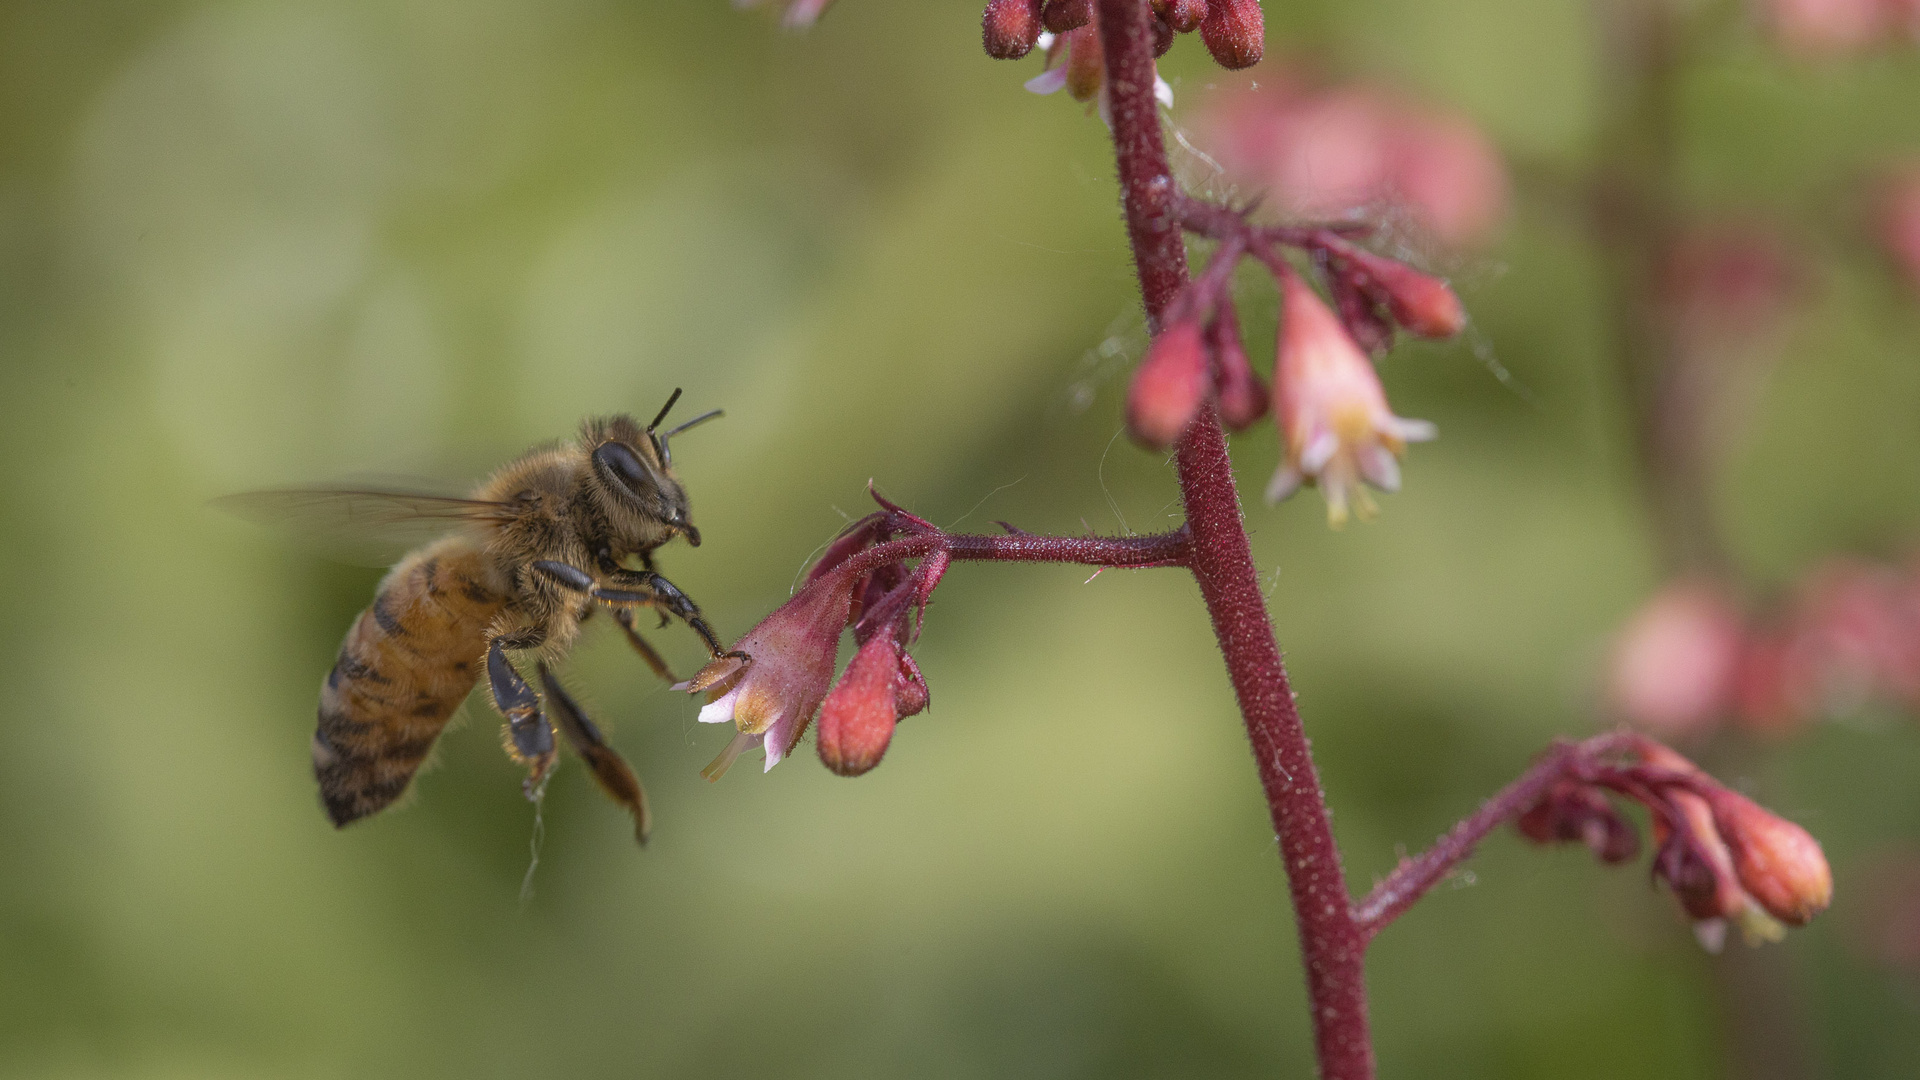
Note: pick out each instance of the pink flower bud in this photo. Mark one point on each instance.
(771, 697)
(1780, 865)
(1169, 387)
(1061, 16)
(1337, 426)
(1235, 32)
(1009, 28)
(1674, 666)
(858, 717)
(1424, 305)
(1244, 399)
(1694, 860)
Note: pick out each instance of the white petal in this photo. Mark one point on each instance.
(1320, 450)
(720, 711)
(1044, 41)
(1415, 430)
(1378, 466)
(1286, 480)
(1049, 81)
(1162, 92)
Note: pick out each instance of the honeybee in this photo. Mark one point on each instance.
(539, 547)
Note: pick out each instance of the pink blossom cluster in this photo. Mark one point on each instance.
(781, 673)
(1692, 659)
(1336, 427)
(1837, 28)
(1727, 860)
(1898, 223)
(1317, 153)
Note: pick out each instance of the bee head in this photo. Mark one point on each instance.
(633, 477)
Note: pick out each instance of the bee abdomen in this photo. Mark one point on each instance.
(405, 666)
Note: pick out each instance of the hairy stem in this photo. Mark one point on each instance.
(1413, 877)
(1118, 552)
(1331, 945)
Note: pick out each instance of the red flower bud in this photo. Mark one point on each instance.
(858, 716)
(1235, 32)
(1244, 399)
(1169, 386)
(1423, 304)
(1061, 16)
(1695, 861)
(1184, 16)
(1780, 865)
(1360, 313)
(1009, 28)
(1162, 36)
(911, 695)
(1572, 811)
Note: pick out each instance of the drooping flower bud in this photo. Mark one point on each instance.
(858, 717)
(1061, 16)
(911, 695)
(1235, 32)
(1009, 28)
(1244, 399)
(1162, 35)
(1169, 387)
(1780, 865)
(1674, 667)
(1337, 426)
(1360, 312)
(771, 697)
(1424, 305)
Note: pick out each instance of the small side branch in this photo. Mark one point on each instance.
(1413, 877)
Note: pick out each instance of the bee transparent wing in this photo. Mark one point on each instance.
(366, 527)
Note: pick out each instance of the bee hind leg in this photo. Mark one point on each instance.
(614, 775)
(529, 736)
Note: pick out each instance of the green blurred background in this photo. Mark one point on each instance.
(252, 243)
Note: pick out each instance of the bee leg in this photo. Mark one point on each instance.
(636, 587)
(668, 597)
(530, 737)
(624, 616)
(609, 768)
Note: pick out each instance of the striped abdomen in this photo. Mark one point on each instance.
(407, 663)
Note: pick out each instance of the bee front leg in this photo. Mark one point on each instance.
(634, 588)
(612, 772)
(527, 729)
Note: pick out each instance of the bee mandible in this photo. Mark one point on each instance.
(539, 547)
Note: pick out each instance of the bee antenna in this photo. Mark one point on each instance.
(665, 409)
(701, 419)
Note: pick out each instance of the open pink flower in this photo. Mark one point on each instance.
(1337, 426)
(771, 698)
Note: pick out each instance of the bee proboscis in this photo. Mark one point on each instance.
(540, 546)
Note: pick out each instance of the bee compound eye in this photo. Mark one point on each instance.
(614, 459)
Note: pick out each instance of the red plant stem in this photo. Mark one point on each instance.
(1413, 877)
(1331, 945)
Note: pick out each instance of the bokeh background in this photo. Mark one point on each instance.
(249, 243)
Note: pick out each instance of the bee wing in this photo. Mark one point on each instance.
(367, 527)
